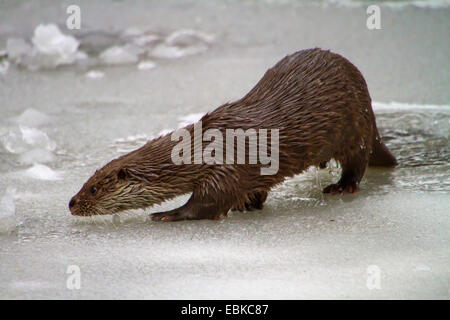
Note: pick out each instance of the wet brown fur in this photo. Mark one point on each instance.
(317, 99)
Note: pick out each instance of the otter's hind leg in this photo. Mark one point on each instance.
(353, 169)
(255, 200)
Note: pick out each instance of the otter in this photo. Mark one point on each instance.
(319, 102)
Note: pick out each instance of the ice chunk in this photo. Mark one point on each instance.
(4, 66)
(51, 42)
(42, 172)
(13, 142)
(8, 220)
(17, 49)
(146, 65)
(4, 63)
(33, 118)
(22, 139)
(118, 55)
(37, 156)
(95, 74)
(187, 37)
(165, 51)
(37, 138)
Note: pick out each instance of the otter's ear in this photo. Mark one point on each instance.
(122, 174)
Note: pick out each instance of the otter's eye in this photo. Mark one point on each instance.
(121, 174)
(93, 190)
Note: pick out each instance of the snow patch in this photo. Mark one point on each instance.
(42, 172)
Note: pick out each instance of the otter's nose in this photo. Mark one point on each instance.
(72, 202)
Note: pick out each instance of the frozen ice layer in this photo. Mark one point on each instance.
(8, 220)
(119, 55)
(42, 172)
(50, 41)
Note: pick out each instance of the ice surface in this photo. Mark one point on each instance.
(8, 220)
(303, 244)
(42, 172)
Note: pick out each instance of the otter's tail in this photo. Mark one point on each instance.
(381, 156)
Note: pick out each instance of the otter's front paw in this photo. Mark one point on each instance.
(341, 188)
(172, 215)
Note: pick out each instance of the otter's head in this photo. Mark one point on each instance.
(113, 188)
